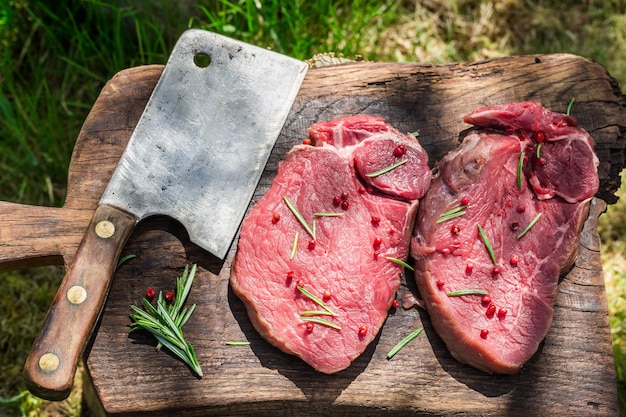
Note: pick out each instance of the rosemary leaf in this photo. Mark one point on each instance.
(321, 321)
(149, 306)
(171, 345)
(487, 244)
(191, 353)
(520, 165)
(294, 247)
(531, 224)
(315, 299)
(454, 210)
(328, 214)
(142, 313)
(124, 259)
(167, 319)
(231, 343)
(183, 287)
(400, 262)
(165, 322)
(569, 107)
(451, 214)
(402, 343)
(539, 150)
(459, 293)
(185, 316)
(416, 133)
(386, 169)
(445, 217)
(296, 213)
(316, 313)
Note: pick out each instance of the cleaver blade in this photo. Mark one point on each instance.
(196, 155)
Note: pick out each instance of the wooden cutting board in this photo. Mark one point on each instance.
(572, 374)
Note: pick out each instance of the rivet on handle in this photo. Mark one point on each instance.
(76, 294)
(49, 362)
(105, 229)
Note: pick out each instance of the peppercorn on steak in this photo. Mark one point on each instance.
(499, 224)
(317, 259)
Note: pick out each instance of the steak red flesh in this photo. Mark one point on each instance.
(347, 266)
(500, 332)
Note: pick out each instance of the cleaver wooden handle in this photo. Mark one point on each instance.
(51, 365)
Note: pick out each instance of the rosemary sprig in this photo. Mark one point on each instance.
(234, 343)
(531, 224)
(294, 247)
(328, 214)
(124, 259)
(400, 262)
(539, 150)
(316, 313)
(487, 244)
(386, 169)
(321, 321)
(451, 214)
(520, 165)
(569, 107)
(315, 299)
(166, 322)
(301, 219)
(402, 343)
(468, 291)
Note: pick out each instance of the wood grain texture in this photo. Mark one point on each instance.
(77, 305)
(572, 374)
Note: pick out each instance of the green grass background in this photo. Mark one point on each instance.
(56, 56)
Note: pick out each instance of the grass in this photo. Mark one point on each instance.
(55, 59)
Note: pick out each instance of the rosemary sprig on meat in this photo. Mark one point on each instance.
(301, 219)
(386, 169)
(400, 262)
(530, 225)
(315, 299)
(468, 291)
(520, 165)
(321, 321)
(451, 214)
(539, 150)
(316, 313)
(294, 247)
(488, 246)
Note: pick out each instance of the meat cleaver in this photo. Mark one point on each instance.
(196, 155)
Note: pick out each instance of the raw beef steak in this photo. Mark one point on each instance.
(355, 223)
(525, 166)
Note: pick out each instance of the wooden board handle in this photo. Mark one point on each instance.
(50, 367)
(35, 235)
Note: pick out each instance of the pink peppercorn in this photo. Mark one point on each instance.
(399, 150)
